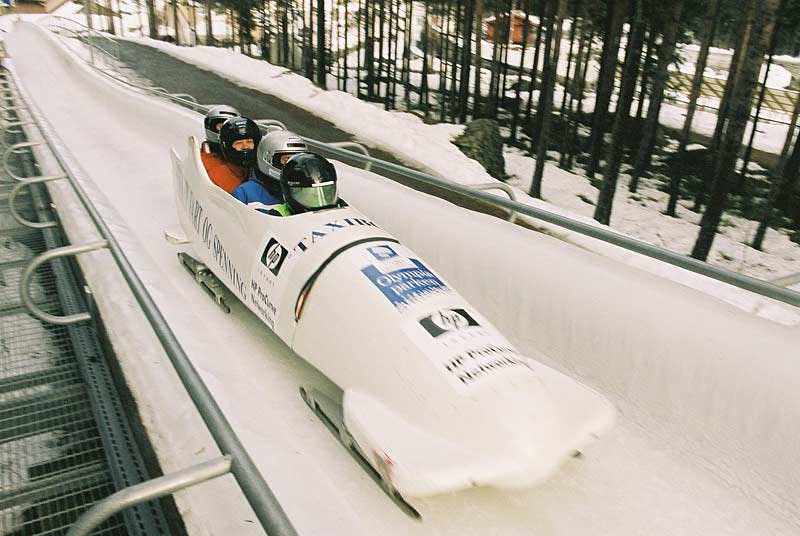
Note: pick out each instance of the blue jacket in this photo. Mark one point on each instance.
(253, 191)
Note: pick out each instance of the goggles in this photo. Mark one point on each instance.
(315, 196)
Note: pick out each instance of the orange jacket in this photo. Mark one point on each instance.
(224, 174)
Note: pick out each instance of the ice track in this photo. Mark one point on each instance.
(629, 483)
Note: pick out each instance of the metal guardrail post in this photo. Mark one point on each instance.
(56, 253)
(787, 280)
(147, 491)
(354, 145)
(15, 149)
(271, 123)
(512, 216)
(15, 192)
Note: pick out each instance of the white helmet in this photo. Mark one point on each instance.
(214, 119)
(272, 147)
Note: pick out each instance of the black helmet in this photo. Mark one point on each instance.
(214, 119)
(308, 182)
(237, 129)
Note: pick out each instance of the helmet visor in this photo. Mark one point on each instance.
(315, 196)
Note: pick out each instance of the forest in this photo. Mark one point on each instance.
(580, 83)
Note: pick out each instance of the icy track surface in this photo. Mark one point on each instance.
(628, 483)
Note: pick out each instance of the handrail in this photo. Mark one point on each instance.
(65, 251)
(90, 31)
(255, 489)
(149, 490)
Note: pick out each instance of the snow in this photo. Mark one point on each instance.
(429, 147)
(693, 454)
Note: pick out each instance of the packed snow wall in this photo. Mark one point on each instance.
(701, 375)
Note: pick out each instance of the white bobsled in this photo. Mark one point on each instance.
(435, 398)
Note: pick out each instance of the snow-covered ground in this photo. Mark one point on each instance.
(429, 147)
(694, 452)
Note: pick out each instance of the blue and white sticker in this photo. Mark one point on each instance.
(382, 253)
(407, 285)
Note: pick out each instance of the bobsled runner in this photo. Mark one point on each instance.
(434, 398)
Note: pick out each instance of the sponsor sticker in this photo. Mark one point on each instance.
(273, 256)
(405, 285)
(382, 253)
(446, 321)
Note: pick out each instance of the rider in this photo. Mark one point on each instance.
(238, 139)
(213, 122)
(275, 149)
(308, 183)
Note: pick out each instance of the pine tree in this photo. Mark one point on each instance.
(555, 21)
(617, 9)
(741, 101)
(709, 25)
(605, 199)
(650, 127)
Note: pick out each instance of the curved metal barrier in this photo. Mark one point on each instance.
(147, 491)
(15, 192)
(238, 462)
(56, 253)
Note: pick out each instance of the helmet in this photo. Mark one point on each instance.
(238, 129)
(272, 147)
(214, 119)
(308, 182)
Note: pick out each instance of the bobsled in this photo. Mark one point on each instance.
(435, 399)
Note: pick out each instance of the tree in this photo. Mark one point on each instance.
(556, 11)
(209, 29)
(466, 60)
(615, 17)
(321, 62)
(665, 55)
(152, 19)
(741, 102)
(605, 199)
(710, 24)
(784, 180)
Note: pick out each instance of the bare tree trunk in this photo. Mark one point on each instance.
(515, 111)
(605, 199)
(548, 85)
(710, 24)
(617, 10)
(578, 112)
(648, 65)
(466, 60)
(152, 19)
(650, 127)
(321, 61)
(741, 103)
(784, 179)
(476, 106)
(534, 71)
(175, 21)
(423, 86)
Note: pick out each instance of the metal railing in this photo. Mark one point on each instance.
(255, 489)
(514, 207)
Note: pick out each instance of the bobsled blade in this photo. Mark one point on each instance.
(330, 413)
(206, 279)
(175, 237)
